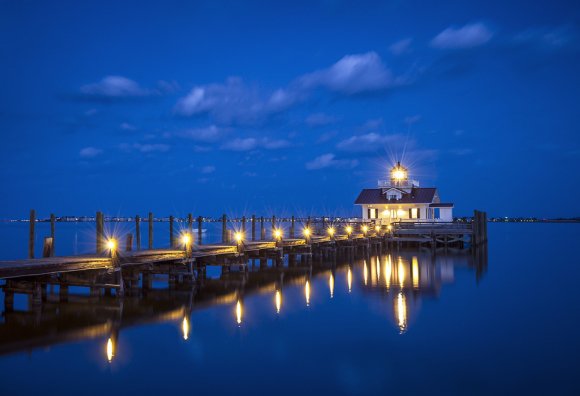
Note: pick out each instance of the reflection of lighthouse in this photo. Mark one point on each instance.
(405, 278)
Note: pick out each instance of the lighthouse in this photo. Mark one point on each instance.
(400, 199)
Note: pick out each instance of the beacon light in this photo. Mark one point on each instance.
(306, 232)
(278, 233)
(331, 231)
(348, 230)
(186, 239)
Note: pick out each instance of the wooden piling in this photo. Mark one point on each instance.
(47, 248)
(129, 244)
(52, 231)
(171, 237)
(99, 228)
(273, 223)
(253, 227)
(224, 228)
(199, 229)
(190, 225)
(292, 227)
(262, 229)
(243, 227)
(31, 234)
(138, 232)
(150, 230)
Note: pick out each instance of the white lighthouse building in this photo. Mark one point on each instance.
(401, 199)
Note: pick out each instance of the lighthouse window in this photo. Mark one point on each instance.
(414, 213)
(392, 196)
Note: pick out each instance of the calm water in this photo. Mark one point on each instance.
(400, 323)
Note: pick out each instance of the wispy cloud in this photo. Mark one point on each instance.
(547, 37)
(90, 152)
(369, 142)
(125, 126)
(207, 169)
(329, 160)
(233, 102)
(468, 36)
(352, 74)
(209, 134)
(145, 148)
(114, 87)
(401, 47)
(250, 143)
(320, 119)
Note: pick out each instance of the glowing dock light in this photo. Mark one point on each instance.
(111, 244)
(389, 227)
(186, 240)
(239, 312)
(278, 234)
(278, 300)
(110, 352)
(306, 232)
(365, 229)
(331, 231)
(239, 237)
(348, 230)
(307, 292)
(185, 328)
(377, 228)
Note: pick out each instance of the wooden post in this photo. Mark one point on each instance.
(190, 225)
(244, 226)
(150, 230)
(253, 227)
(171, 240)
(308, 225)
(138, 232)
(52, 231)
(99, 226)
(273, 223)
(224, 228)
(199, 229)
(292, 230)
(47, 248)
(262, 229)
(129, 245)
(31, 234)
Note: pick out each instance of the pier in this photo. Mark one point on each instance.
(120, 270)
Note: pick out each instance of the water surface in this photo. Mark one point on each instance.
(402, 322)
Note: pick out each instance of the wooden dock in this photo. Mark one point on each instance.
(121, 269)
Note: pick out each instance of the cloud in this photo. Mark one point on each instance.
(410, 120)
(248, 144)
(233, 102)
(401, 47)
(546, 37)
(90, 152)
(207, 134)
(468, 36)
(368, 142)
(320, 119)
(127, 127)
(352, 74)
(329, 161)
(207, 169)
(114, 87)
(146, 148)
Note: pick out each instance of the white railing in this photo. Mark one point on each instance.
(401, 184)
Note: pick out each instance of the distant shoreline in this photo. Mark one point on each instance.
(83, 219)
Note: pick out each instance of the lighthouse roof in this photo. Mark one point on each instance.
(376, 196)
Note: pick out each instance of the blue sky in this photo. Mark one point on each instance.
(272, 108)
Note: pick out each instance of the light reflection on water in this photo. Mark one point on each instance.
(396, 316)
